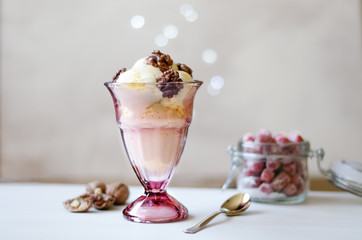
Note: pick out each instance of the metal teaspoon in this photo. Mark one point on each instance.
(231, 207)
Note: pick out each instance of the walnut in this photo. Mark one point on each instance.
(168, 83)
(97, 197)
(96, 184)
(119, 191)
(102, 201)
(158, 59)
(169, 76)
(115, 77)
(151, 60)
(185, 68)
(79, 204)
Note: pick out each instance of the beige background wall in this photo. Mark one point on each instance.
(286, 65)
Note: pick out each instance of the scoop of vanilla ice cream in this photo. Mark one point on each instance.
(144, 73)
(140, 73)
(185, 76)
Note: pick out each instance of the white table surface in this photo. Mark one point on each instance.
(35, 211)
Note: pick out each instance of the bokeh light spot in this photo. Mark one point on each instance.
(188, 12)
(185, 8)
(170, 31)
(209, 56)
(212, 91)
(217, 82)
(191, 16)
(137, 21)
(161, 40)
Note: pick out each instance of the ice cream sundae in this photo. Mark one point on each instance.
(153, 101)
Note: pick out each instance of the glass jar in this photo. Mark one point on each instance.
(271, 172)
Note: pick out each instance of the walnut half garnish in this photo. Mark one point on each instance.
(115, 77)
(185, 68)
(158, 59)
(169, 83)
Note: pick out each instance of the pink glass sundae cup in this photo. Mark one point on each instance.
(154, 119)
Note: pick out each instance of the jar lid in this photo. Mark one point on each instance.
(348, 170)
(346, 175)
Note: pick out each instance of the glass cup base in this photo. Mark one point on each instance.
(157, 207)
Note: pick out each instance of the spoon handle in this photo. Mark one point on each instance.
(202, 224)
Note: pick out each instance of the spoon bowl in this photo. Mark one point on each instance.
(234, 206)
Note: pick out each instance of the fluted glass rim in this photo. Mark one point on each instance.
(115, 84)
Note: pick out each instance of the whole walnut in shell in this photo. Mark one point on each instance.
(119, 191)
(96, 184)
